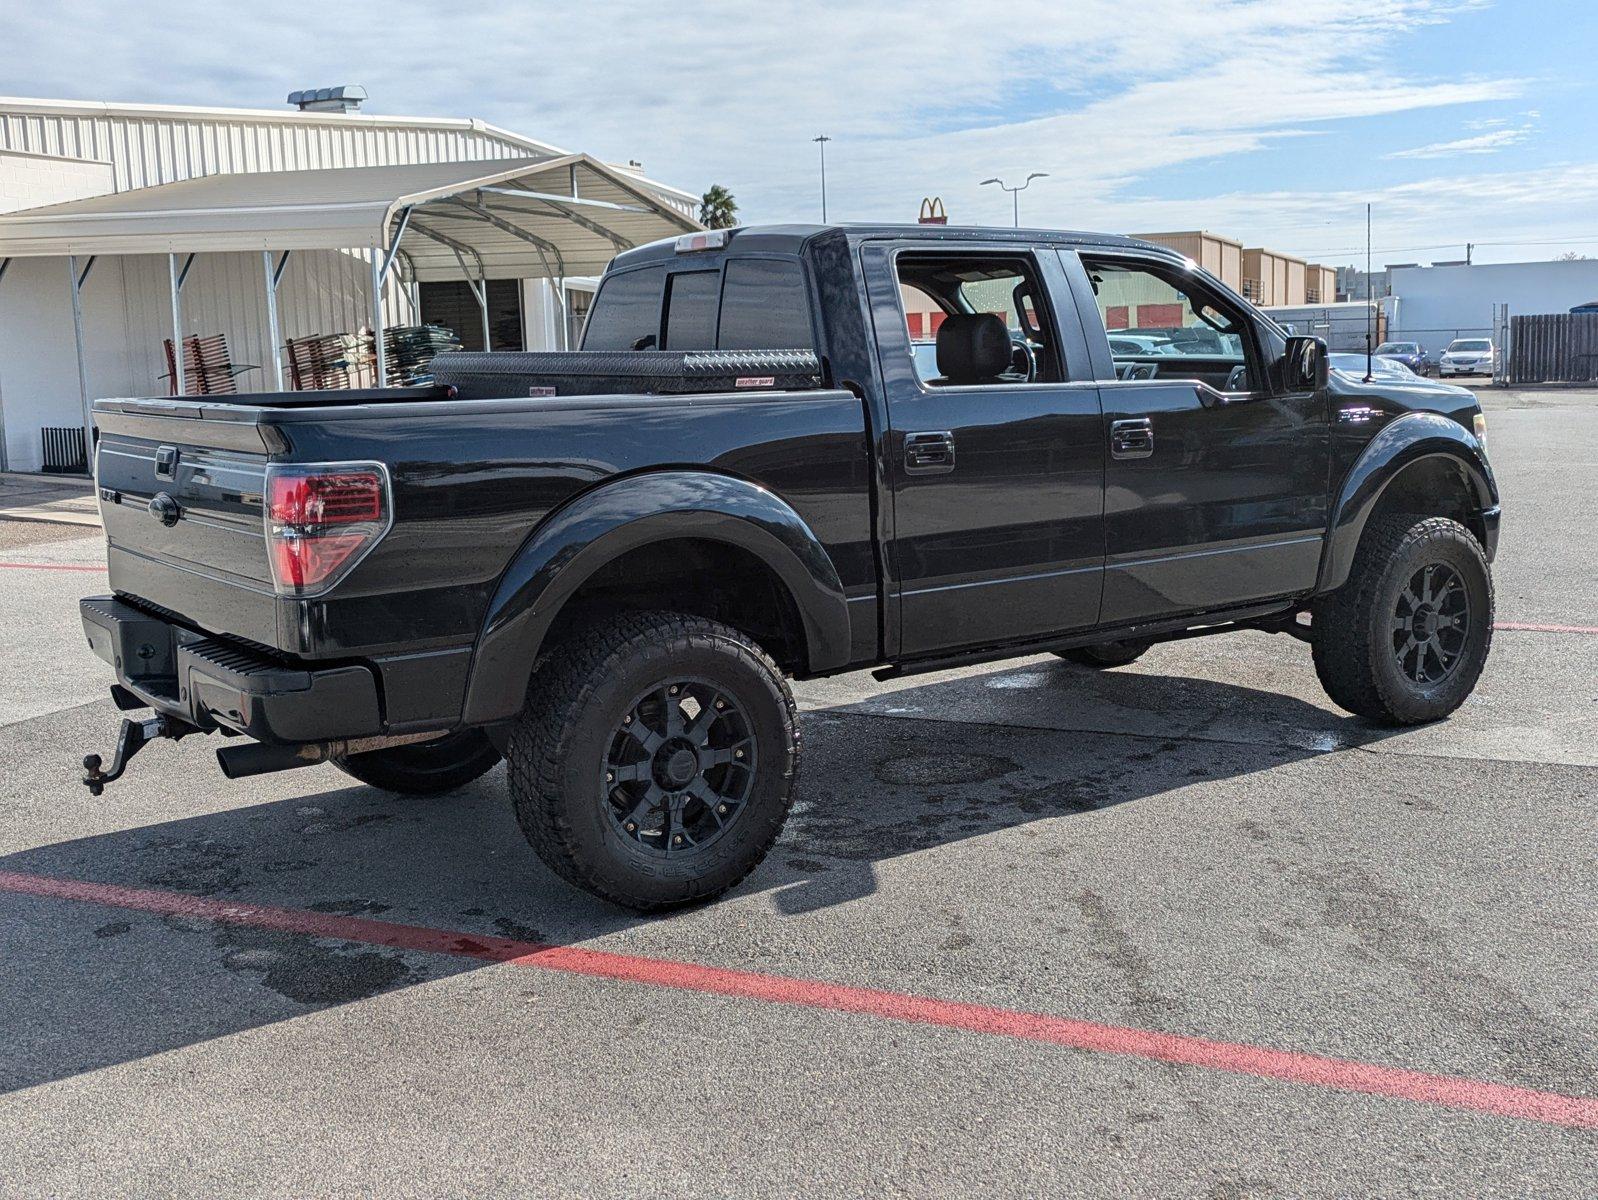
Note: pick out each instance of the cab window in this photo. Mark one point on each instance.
(1161, 323)
(975, 320)
(626, 312)
(691, 310)
(765, 305)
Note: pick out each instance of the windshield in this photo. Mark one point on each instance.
(1397, 348)
(1469, 344)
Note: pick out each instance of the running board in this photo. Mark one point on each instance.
(1257, 616)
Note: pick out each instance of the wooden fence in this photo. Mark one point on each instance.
(1553, 348)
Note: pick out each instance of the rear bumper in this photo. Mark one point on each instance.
(214, 684)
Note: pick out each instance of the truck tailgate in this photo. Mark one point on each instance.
(180, 494)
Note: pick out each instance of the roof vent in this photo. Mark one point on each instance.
(345, 98)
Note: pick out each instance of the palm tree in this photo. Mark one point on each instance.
(717, 208)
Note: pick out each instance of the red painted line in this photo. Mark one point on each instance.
(1349, 1075)
(1546, 628)
(49, 567)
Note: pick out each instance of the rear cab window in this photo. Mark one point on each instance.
(744, 303)
(626, 311)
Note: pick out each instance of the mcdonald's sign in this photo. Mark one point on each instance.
(932, 212)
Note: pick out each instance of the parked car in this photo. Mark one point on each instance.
(1358, 364)
(1468, 356)
(1411, 354)
(1354, 366)
(1133, 344)
(604, 566)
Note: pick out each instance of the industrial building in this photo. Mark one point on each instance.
(251, 233)
(1435, 304)
(1267, 277)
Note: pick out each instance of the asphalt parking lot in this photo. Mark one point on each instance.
(1176, 929)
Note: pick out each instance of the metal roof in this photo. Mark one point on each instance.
(150, 144)
(522, 217)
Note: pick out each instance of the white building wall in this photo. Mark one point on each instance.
(34, 180)
(1437, 304)
(127, 315)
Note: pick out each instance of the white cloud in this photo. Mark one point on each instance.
(920, 99)
(1483, 143)
(1415, 220)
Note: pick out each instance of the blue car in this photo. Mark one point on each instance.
(1410, 354)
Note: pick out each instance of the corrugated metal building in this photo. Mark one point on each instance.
(1271, 278)
(1220, 256)
(1261, 275)
(63, 153)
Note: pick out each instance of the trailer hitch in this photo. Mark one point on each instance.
(133, 737)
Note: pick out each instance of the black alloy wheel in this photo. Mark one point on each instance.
(680, 768)
(1431, 624)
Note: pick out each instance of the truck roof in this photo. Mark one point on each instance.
(790, 239)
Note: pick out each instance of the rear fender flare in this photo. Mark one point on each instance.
(578, 539)
(1399, 446)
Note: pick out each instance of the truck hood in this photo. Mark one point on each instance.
(1395, 397)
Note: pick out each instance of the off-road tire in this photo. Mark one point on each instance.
(1105, 654)
(424, 768)
(559, 744)
(1353, 627)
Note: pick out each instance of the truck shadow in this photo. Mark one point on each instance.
(89, 987)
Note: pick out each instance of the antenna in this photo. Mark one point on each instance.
(1370, 300)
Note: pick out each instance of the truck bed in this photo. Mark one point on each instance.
(471, 479)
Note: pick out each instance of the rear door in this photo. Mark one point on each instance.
(1216, 479)
(996, 482)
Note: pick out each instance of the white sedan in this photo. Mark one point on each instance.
(1467, 356)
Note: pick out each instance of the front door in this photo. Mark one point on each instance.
(995, 459)
(1216, 482)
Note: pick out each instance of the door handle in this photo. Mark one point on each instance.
(928, 453)
(1132, 438)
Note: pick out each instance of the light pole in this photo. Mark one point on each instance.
(1015, 192)
(822, 142)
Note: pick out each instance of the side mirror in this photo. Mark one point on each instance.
(1305, 365)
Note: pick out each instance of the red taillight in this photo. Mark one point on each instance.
(319, 521)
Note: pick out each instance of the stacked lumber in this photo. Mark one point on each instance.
(410, 350)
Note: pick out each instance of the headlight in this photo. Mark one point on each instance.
(1478, 424)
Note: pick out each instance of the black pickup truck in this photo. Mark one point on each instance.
(782, 451)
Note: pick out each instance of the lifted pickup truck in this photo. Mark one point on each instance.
(782, 451)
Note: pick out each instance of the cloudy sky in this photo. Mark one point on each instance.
(1273, 121)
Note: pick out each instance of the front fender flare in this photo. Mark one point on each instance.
(577, 540)
(1401, 444)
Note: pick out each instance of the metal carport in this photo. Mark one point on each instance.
(525, 218)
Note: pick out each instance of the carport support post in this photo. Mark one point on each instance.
(381, 355)
(274, 275)
(179, 383)
(5, 461)
(77, 280)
